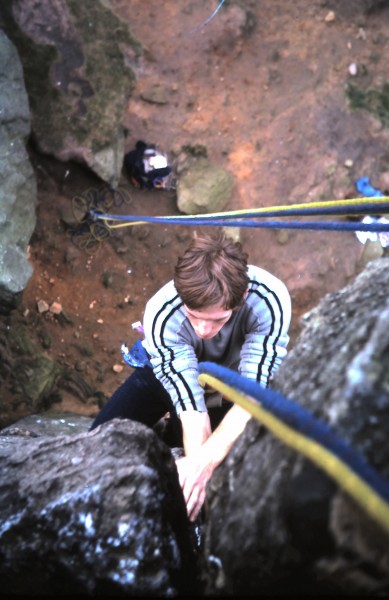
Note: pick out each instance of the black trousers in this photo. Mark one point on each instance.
(143, 398)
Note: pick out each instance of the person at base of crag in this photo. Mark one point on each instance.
(219, 309)
(147, 167)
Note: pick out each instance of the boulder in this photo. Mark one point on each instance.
(77, 78)
(94, 513)
(203, 187)
(17, 181)
(275, 522)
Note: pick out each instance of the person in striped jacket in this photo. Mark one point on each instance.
(218, 309)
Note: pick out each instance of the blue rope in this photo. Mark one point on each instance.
(204, 23)
(230, 222)
(367, 208)
(301, 420)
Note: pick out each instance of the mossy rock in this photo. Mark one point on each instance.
(76, 78)
(34, 374)
(204, 188)
(374, 100)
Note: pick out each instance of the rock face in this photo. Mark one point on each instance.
(93, 513)
(76, 78)
(31, 381)
(17, 180)
(349, 327)
(283, 526)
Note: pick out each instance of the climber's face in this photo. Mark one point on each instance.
(208, 321)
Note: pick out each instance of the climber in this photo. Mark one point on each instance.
(219, 309)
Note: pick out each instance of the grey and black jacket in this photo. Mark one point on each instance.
(253, 341)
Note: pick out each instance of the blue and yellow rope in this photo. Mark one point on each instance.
(297, 428)
(243, 217)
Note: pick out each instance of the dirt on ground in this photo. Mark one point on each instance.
(263, 87)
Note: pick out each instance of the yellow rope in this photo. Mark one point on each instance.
(129, 224)
(263, 210)
(347, 479)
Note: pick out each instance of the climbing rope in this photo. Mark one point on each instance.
(204, 23)
(90, 231)
(241, 218)
(297, 428)
(95, 225)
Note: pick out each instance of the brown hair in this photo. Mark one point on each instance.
(212, 271)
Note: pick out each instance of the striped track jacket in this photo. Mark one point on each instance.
(253, 341)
